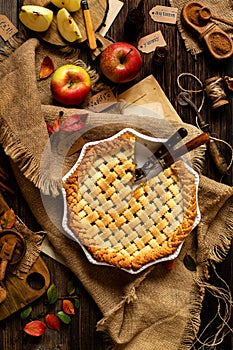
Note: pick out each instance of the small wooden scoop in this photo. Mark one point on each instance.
(205, 15)
(217, 41)
(12, 249)
(6, 255)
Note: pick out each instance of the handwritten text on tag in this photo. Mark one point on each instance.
(164, 14)
(102, 100)
(148, 43)
(7, 28)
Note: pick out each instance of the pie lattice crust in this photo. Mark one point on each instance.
(119, 224)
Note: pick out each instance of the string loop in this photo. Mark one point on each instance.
(214, 90)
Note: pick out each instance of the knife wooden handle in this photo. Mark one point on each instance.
(89, 26)
(189, 146)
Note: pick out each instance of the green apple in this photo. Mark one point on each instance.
(36, 18)
(70, 84)
(70, 5)
(67, 26)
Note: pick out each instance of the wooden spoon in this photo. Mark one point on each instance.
(205, 15)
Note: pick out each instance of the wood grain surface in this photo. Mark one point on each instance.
(98, 10)
(81, 333)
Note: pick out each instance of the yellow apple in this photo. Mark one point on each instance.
(70, 5)
(36, 18)
(67, 26)
(70, 84)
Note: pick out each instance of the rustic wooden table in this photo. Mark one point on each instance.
(81, 333)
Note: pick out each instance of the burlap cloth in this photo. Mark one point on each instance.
(156, 309)
(220, 8)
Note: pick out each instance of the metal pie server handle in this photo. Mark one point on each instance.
(160, 152)
(170, 143)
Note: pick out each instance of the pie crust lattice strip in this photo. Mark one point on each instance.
(121, 224)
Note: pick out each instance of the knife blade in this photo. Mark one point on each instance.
(160, 152)
(171, 157)
(89, 25)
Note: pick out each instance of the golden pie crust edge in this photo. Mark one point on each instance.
(121, 259)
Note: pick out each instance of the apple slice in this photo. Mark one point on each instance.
(70, 5)
(36, 18)
(67, 26)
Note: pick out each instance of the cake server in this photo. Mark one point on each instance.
(157, 162)
(161, 151)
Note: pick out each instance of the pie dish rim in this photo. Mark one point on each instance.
(71, 235)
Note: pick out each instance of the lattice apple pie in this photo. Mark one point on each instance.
(121, 224)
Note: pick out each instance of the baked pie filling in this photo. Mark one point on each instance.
(123, 225)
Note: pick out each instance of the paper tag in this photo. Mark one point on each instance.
(102, 100)
(7, 28)
(148, 43)
(164, 14)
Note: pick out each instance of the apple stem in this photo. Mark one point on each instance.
(124, 57)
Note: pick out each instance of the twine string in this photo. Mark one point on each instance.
(223, 296)
(215, 92)
(191, 90)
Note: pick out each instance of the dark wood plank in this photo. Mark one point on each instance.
(81, 334)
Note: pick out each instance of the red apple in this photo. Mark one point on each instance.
(120, 62)
(70, 84)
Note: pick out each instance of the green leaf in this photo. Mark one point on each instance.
(70, 288)
(25, 312)
(64, 317)
(52, 294)
(189, 263)
(76, 303)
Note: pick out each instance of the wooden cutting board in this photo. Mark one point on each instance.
(98, 10)
(29, 286)
(21, 293)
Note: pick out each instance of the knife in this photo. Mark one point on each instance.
(89, 26)
(171, 157)
(160, 152)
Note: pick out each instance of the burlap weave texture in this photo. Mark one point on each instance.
(221, 8)
(156, 309)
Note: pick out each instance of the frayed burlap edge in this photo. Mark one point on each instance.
(12, 44)
(192, 44)
(208, 261)
(19, 154)
(13, 146)
(29, 166)
(193, 49)
(200, 284)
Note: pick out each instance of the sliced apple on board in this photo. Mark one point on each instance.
(37, 18)
(67, 26)
(70, 5)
